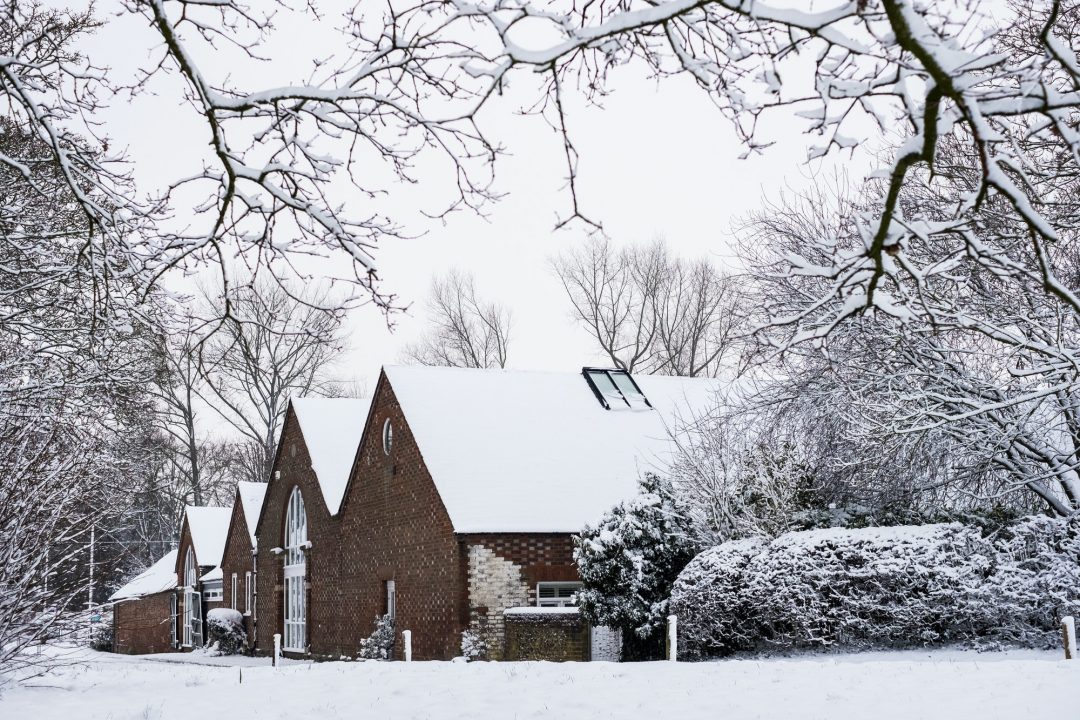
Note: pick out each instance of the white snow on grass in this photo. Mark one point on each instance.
(332, 428)
(885, 686)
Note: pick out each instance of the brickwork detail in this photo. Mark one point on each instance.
(495, 584)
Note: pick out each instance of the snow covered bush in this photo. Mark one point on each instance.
(861, 588)
(630, 560)
(871, 587)
(225, 631)
(380, 644)
(709, 600)
(473, 646)
(1036, 581)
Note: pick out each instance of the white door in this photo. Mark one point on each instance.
(196, 619)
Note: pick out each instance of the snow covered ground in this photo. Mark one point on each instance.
(951, 685)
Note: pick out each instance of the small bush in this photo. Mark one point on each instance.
(473, 646)
(225, 631)
(101, 637)
(380, 644)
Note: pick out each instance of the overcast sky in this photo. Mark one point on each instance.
(657, 159)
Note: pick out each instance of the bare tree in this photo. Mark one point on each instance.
(465, 330)
(651, 312)
(271, 347)
(990, 375)
(613, 296)
(361, 117)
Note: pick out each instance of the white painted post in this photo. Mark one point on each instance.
(406, 635)
(277, 648)
(1068, 636)
(673, 638)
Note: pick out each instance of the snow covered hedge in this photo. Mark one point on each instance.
(880, 587)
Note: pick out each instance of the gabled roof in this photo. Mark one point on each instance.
(209, 527)
(251, 500)
(513, 451)
(159, 577)
(215, 574)
(332, 428)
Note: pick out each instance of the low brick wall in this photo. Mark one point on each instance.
(554, 634)
(143, 625)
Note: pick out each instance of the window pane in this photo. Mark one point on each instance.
(607, 388)
(634, 397)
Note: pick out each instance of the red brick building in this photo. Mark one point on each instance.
(457, 501)
(163, 608)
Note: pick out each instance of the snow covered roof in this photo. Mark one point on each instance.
(514, 451)
(332, 428)
(251, 500)
(215, 574)
(159, 577)
(209, 526)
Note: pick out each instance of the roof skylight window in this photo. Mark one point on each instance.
(615, 389)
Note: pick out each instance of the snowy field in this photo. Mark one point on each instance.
(948, 684)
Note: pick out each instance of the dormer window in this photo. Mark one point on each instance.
(615, 389)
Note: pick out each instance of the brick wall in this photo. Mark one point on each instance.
(323, 610)
(143, 625)
(555, 637)
(503, 570)
(237, 559)
(395, 527)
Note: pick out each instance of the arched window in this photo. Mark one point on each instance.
(295, 574)
(191, 573)
(387, 436)
(192, 602)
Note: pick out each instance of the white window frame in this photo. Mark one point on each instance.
(294, 607)
(173, 612)
(556, 601)
(192, 618)
(387, 436)
(247, 592)
(214, 591)
(234, 603)
(391, 599)
(616, 389)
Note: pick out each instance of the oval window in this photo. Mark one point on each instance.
(387, 436)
